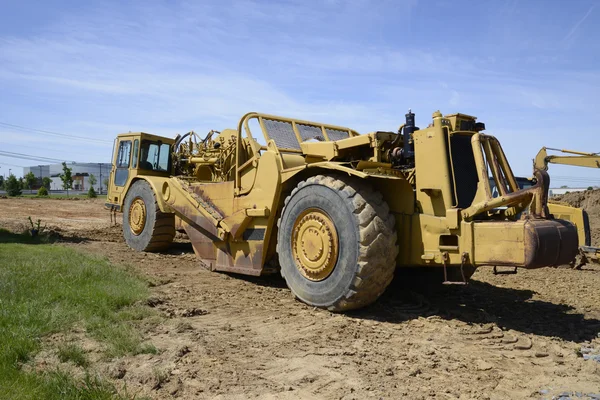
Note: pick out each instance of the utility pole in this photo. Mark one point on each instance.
(40, 175)
(100, 180)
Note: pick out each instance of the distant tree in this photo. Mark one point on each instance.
(92, 193)
(12, 186)
(46, 182)
(564, 187)
(42, 191)
(1, 182)
(92, 180)
(66, 178)
(30, 180)
(105, 182)
(590, 188)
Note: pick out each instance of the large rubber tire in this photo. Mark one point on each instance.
(159, 228)
(367, 242)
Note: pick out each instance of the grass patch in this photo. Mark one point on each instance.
(73, 353)
(46, 289)
(122, 339)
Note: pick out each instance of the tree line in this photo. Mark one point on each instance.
(14, 186)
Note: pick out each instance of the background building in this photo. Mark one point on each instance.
(79, 171)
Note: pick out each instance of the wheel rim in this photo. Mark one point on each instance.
(315, 244)
(137, 216)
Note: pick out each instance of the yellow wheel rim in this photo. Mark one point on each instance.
(315, 244)
(137, 216)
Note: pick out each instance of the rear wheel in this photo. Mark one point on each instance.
(145, 227)
(336, 243)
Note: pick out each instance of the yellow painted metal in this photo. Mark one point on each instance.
(137, 216)
(244, 126)
(315, 244)
(572, 214)
(116, 193)
(491, 240)
(578, 159)
(434, 190)
(227, 192)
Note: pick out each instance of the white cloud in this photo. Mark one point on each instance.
(188, 65)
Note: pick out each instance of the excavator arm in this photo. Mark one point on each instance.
(578, 159)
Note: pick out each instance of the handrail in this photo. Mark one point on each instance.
(243, 124)
(536, 196)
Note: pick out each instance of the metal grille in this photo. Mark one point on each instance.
(336, 134)
(282, 133)
(308, 132)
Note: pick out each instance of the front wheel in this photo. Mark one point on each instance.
(336, 243)
(145, 227)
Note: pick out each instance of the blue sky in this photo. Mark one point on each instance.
(529, 69)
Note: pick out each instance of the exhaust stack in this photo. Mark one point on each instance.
(409, 128)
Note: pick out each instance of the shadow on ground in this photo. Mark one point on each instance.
(181, 247)
(475, 303)
(25, 238)
(480, 302)
(44, 237)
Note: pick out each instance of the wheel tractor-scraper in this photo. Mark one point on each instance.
(336, 212)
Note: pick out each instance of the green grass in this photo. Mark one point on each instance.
(73, 353)
(46, 289)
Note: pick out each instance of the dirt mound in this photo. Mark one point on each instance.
(589, 200)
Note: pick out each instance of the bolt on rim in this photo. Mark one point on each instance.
(137, 216)
(315, 244)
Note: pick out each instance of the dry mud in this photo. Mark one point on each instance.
(589, 201)
(530, 335)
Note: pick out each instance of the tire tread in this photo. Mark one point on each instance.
(377, 236)
(163, 230)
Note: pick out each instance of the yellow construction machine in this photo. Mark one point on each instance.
(578, 216)
(334, 211)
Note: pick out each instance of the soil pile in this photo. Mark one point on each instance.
(589, 200)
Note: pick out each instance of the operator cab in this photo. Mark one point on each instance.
(136, 154)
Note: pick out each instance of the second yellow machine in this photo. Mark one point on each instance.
(336, 212)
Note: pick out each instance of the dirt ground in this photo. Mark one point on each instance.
(589, 201)
(531, 335)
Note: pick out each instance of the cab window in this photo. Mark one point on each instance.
(136, 148)
(154, 156)
(124, 154)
